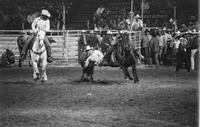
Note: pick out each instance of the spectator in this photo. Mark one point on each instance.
(137, 23)
(100, 10)
(145, 46)
(154, 49)
(123, 25)
(182, 55)
(145, 6)
(161, 45)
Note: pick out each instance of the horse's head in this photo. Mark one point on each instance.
(10, 56)
(41, 35)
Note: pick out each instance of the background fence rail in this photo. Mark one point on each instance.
(66, 47)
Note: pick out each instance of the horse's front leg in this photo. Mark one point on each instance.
(134, 71)
(126, 73)
(36, 75)
(43, 67)
(34, 61)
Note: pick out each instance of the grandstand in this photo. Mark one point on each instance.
(14, 13)
(13, 16)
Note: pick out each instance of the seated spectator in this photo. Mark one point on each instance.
(123, 25)
(137, 23)
(183, 28)
(100, 10)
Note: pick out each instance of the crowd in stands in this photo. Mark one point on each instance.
(172, 46)
(22, 13)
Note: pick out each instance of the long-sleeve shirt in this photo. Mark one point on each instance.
(137, 25)
(39, 24)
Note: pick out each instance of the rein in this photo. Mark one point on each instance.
(38, 53)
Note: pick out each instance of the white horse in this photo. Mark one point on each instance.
(38, 55)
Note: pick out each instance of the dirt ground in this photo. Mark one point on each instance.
(162, 98)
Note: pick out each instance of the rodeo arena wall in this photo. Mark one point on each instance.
(65, 50)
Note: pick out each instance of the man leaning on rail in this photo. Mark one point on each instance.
(40, 23)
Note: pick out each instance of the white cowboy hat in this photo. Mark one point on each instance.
(88, 48)
(164, 28)
(109, 32)
(45, 13)
(137, 16)
(128, 21)
(178, 33)
(171, 20)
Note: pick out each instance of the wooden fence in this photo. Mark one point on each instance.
(64, 50)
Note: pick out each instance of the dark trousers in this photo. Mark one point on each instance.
(28, 44)
(182, 58)
(145, 53)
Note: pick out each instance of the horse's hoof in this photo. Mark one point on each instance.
(136, 81)
(44, 79)
(36, 79)
(130, 78)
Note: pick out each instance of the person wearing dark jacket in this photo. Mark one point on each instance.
(182, 55)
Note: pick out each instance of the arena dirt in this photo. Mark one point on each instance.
(162, 98)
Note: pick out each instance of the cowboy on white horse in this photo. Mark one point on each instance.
(40, 23)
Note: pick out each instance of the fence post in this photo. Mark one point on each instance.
(67, 45)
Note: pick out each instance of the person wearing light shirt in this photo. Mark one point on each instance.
(137, 23)
(40, 23)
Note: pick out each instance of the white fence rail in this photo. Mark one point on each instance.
(66, 46)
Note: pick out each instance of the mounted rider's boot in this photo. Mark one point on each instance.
(49, 58)
(25, 48)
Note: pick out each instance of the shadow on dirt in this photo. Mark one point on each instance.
(96, 82)
(22, 82)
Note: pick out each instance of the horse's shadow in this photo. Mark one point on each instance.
(96, 82)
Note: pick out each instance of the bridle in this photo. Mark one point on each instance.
(39, 44)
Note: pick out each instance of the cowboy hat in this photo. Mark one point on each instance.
(171, 20)
(88, 48)
(137, 16)
(46, 13)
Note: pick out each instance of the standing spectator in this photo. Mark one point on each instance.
(171, 26)
(166, 40)
(145, 46)
(154, 49)
(100, 10)
(161, 45)
(182, 55)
